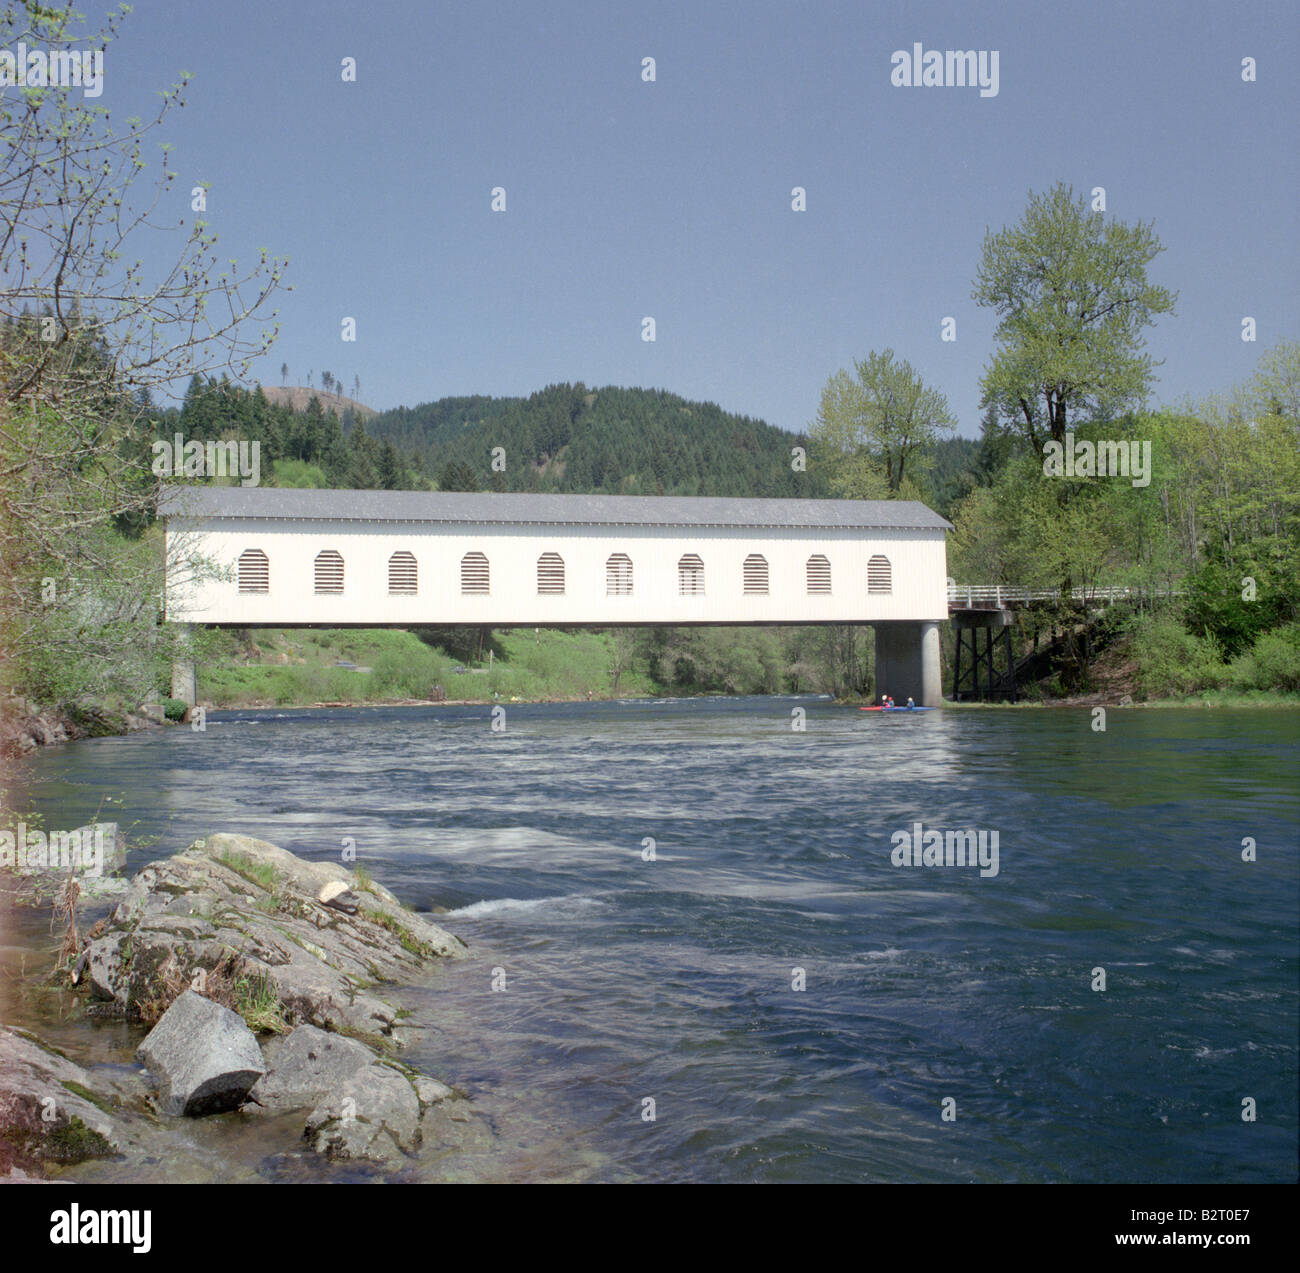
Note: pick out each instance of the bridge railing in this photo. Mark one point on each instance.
(983, 596)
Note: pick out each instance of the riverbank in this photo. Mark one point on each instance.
(24, 726)
(1226, 700)
(231, 948)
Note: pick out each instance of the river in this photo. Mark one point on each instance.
(691, 903)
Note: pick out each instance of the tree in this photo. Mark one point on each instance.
(456, 476)
(1072, 298)
(87, 331)
(391, 474)
(872, 424)
(622, 650)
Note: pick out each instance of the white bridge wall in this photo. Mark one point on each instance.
(917, 558)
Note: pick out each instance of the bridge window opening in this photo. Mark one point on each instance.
(403, 575)
(474, 575)
(254, 571)
(880, 575)
(618, 575)
(819, 576)
(756, 575)
(690, 576)
(550, 575)
(329, 571)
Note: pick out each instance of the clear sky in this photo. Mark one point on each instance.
(672, 199)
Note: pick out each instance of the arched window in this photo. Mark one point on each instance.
(474, 574)
(819, 575)
(329, 571)
(690, 576)
(403, 574)
(756, 575)
(880, 576)
(550, 575)
(618, 575)
(254, 571)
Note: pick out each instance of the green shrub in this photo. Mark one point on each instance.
(1170, 660)
(1215, 606)
(1273, 663)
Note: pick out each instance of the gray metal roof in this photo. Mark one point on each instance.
(206, 502)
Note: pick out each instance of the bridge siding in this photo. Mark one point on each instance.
(917, 556)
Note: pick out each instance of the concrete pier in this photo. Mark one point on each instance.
(184, 674)
(907, 663)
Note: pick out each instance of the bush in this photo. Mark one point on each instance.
(174, 708)
(1170, 660)
(1215, 606)
(1273, 663)
(409, 673)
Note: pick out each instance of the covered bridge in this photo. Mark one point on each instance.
(267, 557)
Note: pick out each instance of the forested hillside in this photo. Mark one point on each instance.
(567, 437)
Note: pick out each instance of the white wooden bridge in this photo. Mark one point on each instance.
(266, 557)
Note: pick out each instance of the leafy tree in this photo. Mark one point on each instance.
(87, 331)
(1071, 293)
(874, 424)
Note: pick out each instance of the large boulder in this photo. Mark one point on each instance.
(203, 1056)
(254, 910)
(306, 1067)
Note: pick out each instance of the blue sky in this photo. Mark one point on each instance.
(672, 199)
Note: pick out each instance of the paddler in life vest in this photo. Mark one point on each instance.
(911, 706)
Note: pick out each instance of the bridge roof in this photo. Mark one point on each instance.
(469, 508)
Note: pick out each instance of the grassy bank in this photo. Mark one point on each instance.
(287, 667)
(1158, 664)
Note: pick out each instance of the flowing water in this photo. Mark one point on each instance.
(643, 885)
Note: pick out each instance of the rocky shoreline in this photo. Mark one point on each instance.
(265, 980)
(24, 727)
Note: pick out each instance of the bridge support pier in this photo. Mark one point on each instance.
(971, 664)
(184, 674)
(907, 663)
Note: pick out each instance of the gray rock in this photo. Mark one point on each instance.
(430, 1091)
(337, 894)
(375, 1115)
(306, 1067)
(203, 1056)
(236, 897)
(104, 967)
(43, 1115)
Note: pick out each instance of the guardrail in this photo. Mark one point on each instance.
(983, 596)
